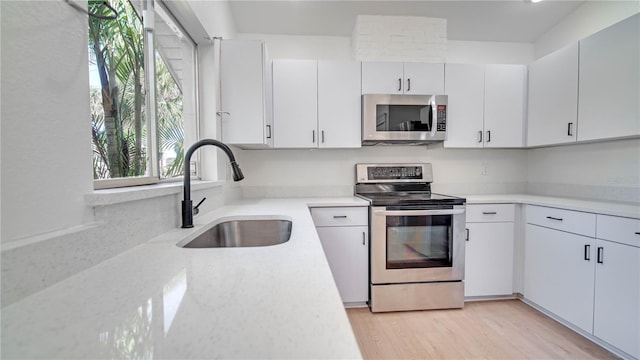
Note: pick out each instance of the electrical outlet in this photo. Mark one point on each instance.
(484, 169)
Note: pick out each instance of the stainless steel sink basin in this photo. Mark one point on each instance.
(243, 233)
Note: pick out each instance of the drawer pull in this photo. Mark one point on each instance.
(600, 258)
(489, 213)
(339, 216)
(637, 232)
(554, 218)
(587, 251)
(363, 238)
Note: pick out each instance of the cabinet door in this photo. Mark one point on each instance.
(553, 98)
(489, 259)
(610, 82)
(382, 77)
(243, 103)
(465, 88)
(347, 252)
(339, 104)
(559, 274)
(504, 96)
(617, 296)
(423, 79)
(295, 103)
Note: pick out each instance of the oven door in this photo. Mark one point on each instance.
(417, 245)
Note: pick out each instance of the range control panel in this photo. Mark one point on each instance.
(376, 173)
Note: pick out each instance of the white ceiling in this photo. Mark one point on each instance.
(506, 20)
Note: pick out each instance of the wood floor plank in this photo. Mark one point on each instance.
(504, 329)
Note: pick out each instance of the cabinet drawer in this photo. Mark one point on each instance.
(619, 229)
(491, 213)
(566, 220)
(340, 216)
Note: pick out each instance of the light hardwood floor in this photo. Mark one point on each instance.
(505, 329)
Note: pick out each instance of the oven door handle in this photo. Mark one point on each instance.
(418, 212)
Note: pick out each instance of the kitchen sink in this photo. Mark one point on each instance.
(243, 233)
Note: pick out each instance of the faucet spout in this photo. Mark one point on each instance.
(187, 204)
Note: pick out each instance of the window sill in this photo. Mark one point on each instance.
(134, 193)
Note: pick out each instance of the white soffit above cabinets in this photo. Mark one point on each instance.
(507, 20)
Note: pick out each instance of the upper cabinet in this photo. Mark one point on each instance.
(609, 89)
(553, 98)
(402, 78)
(486, 105)
(245, 106)
(316, 104)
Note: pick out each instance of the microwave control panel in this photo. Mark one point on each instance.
(441, 121)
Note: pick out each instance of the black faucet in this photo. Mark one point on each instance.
(187, 204)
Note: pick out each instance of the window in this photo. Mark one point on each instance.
(142, 93)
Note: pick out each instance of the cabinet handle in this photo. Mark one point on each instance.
(489, 213)
(637, 232)
(220, 113)
(489, 136)
(313, 136)
(467, 234)
(339, 216)
(587, 251)
(554, 218)
(600, 259)
(322, 133)
(399, 84)
(480, 136)
(268, 131)
(570, 129)
(408, 84)
(363, 238)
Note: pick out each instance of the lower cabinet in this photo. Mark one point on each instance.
(344, 234)
(559, 275)
(489, 250)
(617, 285)
(590, 276)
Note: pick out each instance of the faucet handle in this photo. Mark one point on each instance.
(195, 208)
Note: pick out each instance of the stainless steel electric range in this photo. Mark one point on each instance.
(417, 239)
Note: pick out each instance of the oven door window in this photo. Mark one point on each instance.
(403, 118)
(419, 241)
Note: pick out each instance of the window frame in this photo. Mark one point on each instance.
(148, 11)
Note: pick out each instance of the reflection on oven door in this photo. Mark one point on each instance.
(413, 247)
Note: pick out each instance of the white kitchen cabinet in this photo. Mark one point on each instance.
(486, 105)
(609, 86)
(559, 274)
(402, 78)
(295, 103)
(465, 111)
(344, 234)
(617, 283)
(339, 104)
(553, 98)
(246, 105)
(504, 105)
(489, 250)
(316, 104)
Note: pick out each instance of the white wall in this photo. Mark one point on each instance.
(607, 170)
(46, 147)
(589, 18)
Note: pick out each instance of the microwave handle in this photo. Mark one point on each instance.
(434, 117)
(418, 212)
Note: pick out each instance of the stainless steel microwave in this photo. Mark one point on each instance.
(403, 119)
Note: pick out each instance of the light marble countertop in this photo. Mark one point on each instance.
(585, 205)
(162, 301)
(159, 300)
